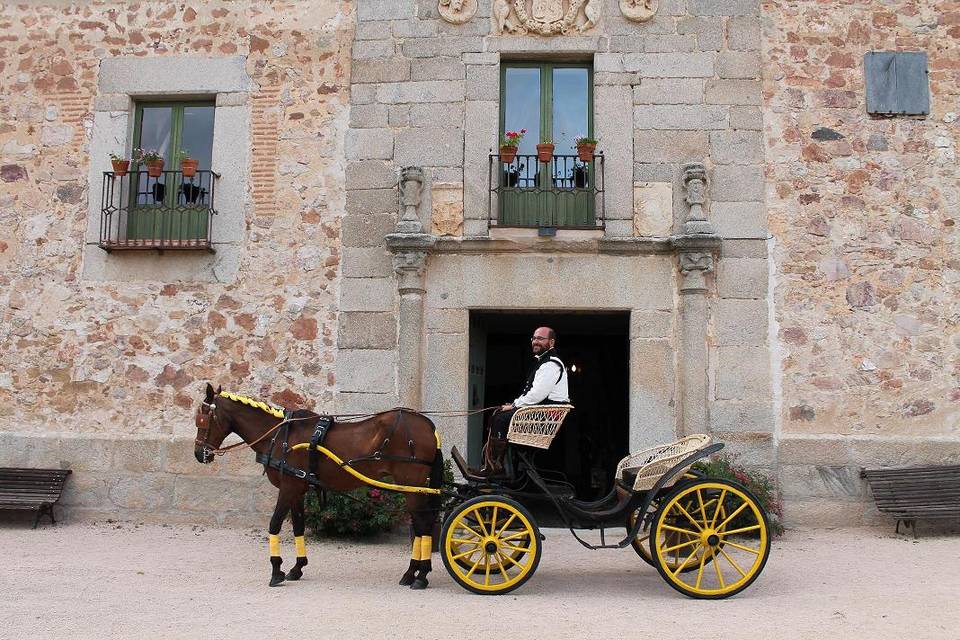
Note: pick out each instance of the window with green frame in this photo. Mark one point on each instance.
(171, 206)
(553, 102)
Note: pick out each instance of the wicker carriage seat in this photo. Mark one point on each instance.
(641, 470)
(537, 425)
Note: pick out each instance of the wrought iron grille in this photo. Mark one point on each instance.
(565, 193)
(170, 211)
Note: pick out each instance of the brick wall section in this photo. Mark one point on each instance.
(104, 377)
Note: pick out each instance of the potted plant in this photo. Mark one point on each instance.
(545, 150)
(153, 161)
(509, 144)
(586, 147)
(120, 165)
(188, 165)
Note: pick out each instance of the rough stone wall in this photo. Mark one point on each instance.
(864, 214)
(104, 376)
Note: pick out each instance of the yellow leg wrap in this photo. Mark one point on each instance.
(274, 545)
(301, 545)
(415, 554)
(426, 547)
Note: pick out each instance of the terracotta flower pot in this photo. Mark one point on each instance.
(545, 151)
(507, 153)
(189, 167)
(120, 167)
(585, 151)
(154, 168)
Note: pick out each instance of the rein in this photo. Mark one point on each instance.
(352, 417)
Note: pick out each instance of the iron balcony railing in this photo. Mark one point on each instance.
(167, 212)
(565, 193)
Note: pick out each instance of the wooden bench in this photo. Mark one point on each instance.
(32, 490)
(916, 492)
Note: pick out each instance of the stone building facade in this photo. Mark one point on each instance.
(788, 263)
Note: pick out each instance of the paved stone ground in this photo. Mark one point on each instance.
(124, 580)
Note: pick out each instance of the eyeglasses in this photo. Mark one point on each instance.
(539, 339)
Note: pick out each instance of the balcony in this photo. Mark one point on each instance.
(168, 212)
(565, 193)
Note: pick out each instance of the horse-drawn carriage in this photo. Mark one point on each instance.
(707, 537)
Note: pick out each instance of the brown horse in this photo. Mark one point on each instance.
(399, 444)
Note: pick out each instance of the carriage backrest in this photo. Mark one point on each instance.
(650, 464)
(537, 425)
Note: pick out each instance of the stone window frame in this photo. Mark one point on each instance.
(615, 91)
(123, 81)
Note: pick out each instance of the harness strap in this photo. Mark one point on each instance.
(316, 440)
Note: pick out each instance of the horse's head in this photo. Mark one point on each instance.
(213, 425)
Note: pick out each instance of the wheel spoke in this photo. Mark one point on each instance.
(732, 516)
(716, 566)
(465, 553)
(486, 576)
(682, 545)
(506, 524)
(703, 513)
(503, 571)
(463, 541)
(689, 517)
(493, 520)
(683, 564)
(475, 565)
(727, 543)
(513, 536)
(483, 527)
(462, 526)
(717, 512)
(679, 530)
(510, 560)
(525, 550)
(741, 530)
(703, 559)
(735, 565)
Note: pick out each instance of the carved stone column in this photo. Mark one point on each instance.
(410, 247)
(694, 315)
(695, 182)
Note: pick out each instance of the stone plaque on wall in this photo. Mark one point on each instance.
(652, 209)
(447, 213)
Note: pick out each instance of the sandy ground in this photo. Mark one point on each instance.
(124, 580)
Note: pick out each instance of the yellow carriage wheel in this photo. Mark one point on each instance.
(641, 542)
(490, 545)
(466, 560)
(721, 532)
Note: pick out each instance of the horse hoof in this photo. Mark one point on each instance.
(406, 580)
(419, 583)
(294, 575)
(276, 581)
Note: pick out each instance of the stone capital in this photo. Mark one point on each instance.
(410, 267)
(693, 269)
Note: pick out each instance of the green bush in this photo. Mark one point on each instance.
(360, 513)
(761, 486)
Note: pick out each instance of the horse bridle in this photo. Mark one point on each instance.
(204, 418)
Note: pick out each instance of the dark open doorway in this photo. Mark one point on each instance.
(595, 349)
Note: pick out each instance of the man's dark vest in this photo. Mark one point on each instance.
(544, 358)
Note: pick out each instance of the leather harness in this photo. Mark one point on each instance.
(324, 424)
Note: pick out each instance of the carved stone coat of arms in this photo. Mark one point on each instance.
(545, 17)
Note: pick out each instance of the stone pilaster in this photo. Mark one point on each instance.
(694, 356)
(410, 246)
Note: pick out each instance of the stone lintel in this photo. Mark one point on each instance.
(696, 242)
(400, 242)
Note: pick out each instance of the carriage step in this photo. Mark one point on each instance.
(464, 469)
